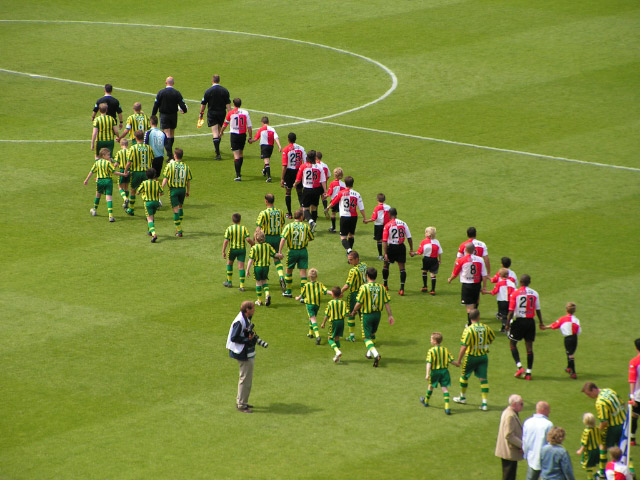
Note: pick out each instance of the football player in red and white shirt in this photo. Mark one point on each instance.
(480, 249)
(327, 173)
(334, 188)
(293, 155)
(473, 277)
(267, 136)
(432, 257)
(240, 126)
(634, 390)
(506, 263)
(524, 305)
(503, 289)
(380, 217)
(569, 326)
(394, 233)
(349, 202)
(314, 184)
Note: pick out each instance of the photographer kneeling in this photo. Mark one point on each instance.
(241, 343)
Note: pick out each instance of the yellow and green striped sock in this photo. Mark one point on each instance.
(229, 273)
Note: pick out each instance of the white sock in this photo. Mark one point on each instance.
(374, 352)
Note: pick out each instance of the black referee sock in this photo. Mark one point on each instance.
(314, 215)
(216, 145)
(345, 243)
(307, 215)
(167, 147)
(287, 201)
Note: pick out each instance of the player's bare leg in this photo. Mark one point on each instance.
(529, 346)
(513, 345)
(385, 272)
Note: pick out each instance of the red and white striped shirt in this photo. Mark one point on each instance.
(524, 302)
(350, 202)
(503, 289)
(293, 155)
(511, 276)
(430, 248)
(325, 168)
(311, 175)
(335, 187)
(267, 135)
(471, 269)
(395, 232)
(238, 120)
(480, 248)
(634, 376)
(380, 215)
(618, 471)
(568, 325)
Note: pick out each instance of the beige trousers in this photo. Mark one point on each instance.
(244, 382)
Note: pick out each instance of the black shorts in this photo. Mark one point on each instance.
(266, 151)
(290, 177)
(348, 225)
(335, 208)
(522, 328)
(397, 253)
(470, 293)
(503, 309)
(156, 163)
(430, 264)
(377, 232)
(168, 121)
(215, 118)
(238, 140)
(636, 409)
(311, 196)
(571, 344)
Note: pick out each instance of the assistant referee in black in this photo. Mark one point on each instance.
(168, 101)
(218, 103)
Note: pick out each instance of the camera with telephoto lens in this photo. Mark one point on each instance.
(256, 339)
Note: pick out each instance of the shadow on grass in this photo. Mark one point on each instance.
(286, 409)
(399, 343)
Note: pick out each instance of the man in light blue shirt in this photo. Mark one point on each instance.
(155, 138)
(534, 437)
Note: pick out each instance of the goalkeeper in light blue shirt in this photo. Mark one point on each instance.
(156, 139)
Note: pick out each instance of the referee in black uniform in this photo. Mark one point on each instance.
(168, 101)
(218, 101)
(113, 105)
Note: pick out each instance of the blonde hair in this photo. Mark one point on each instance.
(555, 436)
(437, 336)
(571, 308)
(259, 236)
(430, 232)
(124, 141)
(503, 272)
(104, 153)
(137, 107)
(589, 420)
(337, 172)
(313, 273)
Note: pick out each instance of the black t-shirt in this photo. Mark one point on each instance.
(167, 101)
(216, 98)
(113, 105)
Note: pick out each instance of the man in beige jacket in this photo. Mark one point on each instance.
(509, 443)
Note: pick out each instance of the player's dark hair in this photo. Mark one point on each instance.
(615, 453)
(336, 291)
(216, 78)
(139, 135)
(292, 137)
(298, 214)
(474, 314)
(471, 232)
(236, 217)
(381, 198)
(137, 107)
(354, 253)
(108, 88)
(469, 248)
(319, 155)
(178, 152)
(270, 198)
(151, 173)
(589, 386)
(237, 102)
(348, 181)
(372, 273)
(506, 262)
(393, 212)
(525, 280)
(265, 119)
(637, 342)
(153, 119)
(311, 156)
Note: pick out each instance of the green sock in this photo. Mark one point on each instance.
(464, 383)
(96, 201)
(428, 395)
(314, 326)
(446, 400)
(176, 221)
(333, 345)
(259, 292)
(110, 208)
(152, 229)
(132, 200)
(123, 194)
(265, 287)
(338, 343)
(289, 280)
(181, 214)
(484, 391)
(229, 273)
(242, 277)
(279, 267)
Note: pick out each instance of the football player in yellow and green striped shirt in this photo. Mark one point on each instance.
(140, 156)
(355, 279)
(438, 358)
(371, 299)
(150, 190)
(335, 312)
(121, 160)
(270, 221)
(474, 346)
(135, 122)
(235, 237)
(297, 236)
(104, 131)
(311, 294)
(103, 168)
(177, 175)
(260, 255)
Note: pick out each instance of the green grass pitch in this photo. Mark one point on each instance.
(112, 349)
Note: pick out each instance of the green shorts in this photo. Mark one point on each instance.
(122, 180)
(476, 365)
(612, 438)
(150, 208)
(261, 273)
(105, 186)
(237, 254)
(352, 302)
(336, 328)
(274, 241)
(177, 196)
(312, 310)
(441, 377)
(370, 323)
(137, 178)
(299, 258)
(590, 458)
(100, 145)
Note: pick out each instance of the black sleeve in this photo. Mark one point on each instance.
(118, 107)
(183, 106)
(156, 104)
(228, 98)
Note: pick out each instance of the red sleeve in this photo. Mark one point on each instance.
(421, 247)
(285, 151)
(260, 130)
(385, 232)
(633, 371)
(336, 199)
(227, 118)
(375, 212)
(495, 278)
(299, 174)
(555, 325)
(461, 248)
(495, 290)
(457, 267)
(512, 301)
